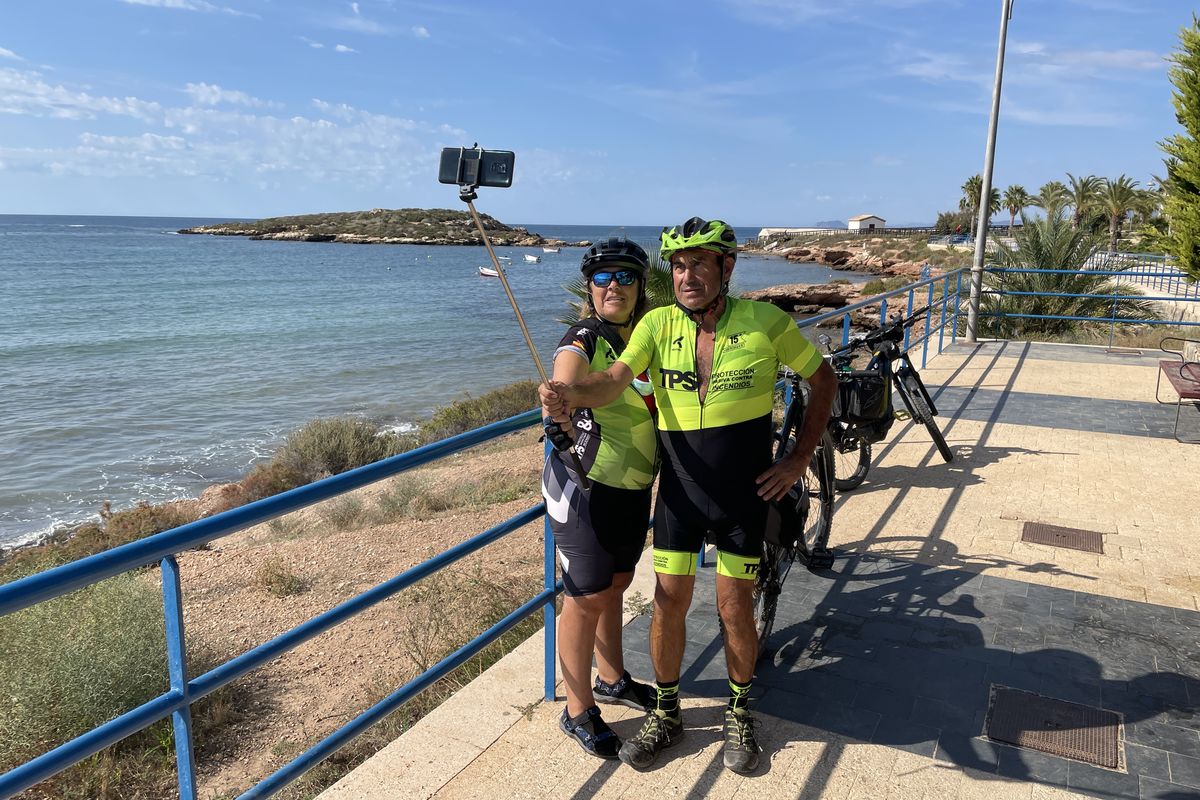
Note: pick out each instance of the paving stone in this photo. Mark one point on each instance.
(1153, 789)
(906, 735)
(1164, 737)
(1026, 764)
(1146, 762)
(972, 752)
(947, 716)
(1185, 770)
(1101, 782)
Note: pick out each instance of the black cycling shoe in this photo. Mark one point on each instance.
(626, 691)
(658, 732)
(592, 733)
(741, 745)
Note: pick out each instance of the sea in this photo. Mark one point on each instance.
(137, 363)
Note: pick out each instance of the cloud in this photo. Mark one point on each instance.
(790, 13)
(6, 53)
(311, 43)
(220, 135)
(189, 5)
(360, 24)
(354, 8)
(1043, 61)
(341, 48)
(25, 93)
(420, 31)
(206, 94)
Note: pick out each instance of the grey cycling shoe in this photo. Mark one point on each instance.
(741, 746)
(658, 733)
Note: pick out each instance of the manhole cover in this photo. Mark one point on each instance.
(1055, 536)
(1123, 352)
(1056, 727)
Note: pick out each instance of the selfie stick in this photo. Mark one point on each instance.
(467, 195)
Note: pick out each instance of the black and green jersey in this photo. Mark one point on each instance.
(713, 451)
(616, 443)
(752, 339)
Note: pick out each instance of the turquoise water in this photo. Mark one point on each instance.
(136, 363)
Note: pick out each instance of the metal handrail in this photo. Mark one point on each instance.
(176, 702)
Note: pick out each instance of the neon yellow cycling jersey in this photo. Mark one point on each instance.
(751, 340)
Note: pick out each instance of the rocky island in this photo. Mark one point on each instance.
(384, 226)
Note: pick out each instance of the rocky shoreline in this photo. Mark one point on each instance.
(840, 257)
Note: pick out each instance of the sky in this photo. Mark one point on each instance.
(759, 112)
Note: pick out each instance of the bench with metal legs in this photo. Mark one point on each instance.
(1184, 377)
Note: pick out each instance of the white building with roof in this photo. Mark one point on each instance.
(866, 222)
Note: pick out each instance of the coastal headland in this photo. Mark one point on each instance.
(432, 226)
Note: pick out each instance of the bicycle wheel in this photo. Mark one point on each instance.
(814, 543)
(921, 411)
(772, 571)
(851, 461)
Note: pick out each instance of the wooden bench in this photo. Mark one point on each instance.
(1184, 377)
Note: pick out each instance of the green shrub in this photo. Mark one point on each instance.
(276, 577)
(881, 285)
(342, 513)
(269, 479)
(72, 663)
(473, 412)
(331, 446)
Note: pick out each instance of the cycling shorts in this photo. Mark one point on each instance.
(598, 532)
(708, 491)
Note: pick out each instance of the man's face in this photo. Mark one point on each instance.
(698, 276)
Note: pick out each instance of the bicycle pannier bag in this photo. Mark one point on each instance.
(863, 398)
(786, 519)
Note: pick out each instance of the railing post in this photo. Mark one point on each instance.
(925, 338)
(957, 303)
(846, 330)
(908, 313)
(942, 325)
(177, 670)
(883, 312)
(549, 581)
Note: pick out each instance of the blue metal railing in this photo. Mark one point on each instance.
(1165, 283)
(162, 548)
(176, 702)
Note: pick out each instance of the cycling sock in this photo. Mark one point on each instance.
(668, 698)
(739, 694)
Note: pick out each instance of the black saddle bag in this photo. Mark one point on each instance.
(864, 404)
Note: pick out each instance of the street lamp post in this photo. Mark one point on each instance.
(985, 193)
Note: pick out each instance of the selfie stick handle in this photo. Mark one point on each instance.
(467, 198)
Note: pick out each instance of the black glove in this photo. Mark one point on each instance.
(557, 436)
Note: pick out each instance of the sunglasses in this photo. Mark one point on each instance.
(624, 278)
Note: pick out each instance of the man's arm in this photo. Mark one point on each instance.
(776, 481)
(593, 390)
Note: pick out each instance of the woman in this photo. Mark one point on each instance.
(600, 533)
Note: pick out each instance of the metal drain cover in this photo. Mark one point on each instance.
(1056, 727)
(1055, 536)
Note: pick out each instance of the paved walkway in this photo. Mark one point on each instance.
(882, 669)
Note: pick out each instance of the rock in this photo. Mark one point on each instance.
(218, 498)
(789, 296)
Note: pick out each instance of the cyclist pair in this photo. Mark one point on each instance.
(711, 362)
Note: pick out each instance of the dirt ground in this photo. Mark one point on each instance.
(284, 707)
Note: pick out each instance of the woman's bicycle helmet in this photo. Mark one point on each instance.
(712, 235)
(613, 253)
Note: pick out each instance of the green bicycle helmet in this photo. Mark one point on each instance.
(714, 235)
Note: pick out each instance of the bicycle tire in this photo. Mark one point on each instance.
(768, 584)
(850, 466)
(923, 414)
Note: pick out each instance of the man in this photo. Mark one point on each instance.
(713, 361)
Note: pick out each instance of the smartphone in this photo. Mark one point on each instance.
(474, 166)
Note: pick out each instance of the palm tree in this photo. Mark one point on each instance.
(1053, 244)
(972, 190)
(1052, 197)
(1016, 199)
(660, 290)
(1082, 196)
(1117, 198)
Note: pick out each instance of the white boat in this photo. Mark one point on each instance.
(533, 259)
(504, 258)
(488, 273)
(549, 249)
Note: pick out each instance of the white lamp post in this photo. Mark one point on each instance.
(985, 194)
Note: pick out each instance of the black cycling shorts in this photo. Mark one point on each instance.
(708, 491)
(598, 532)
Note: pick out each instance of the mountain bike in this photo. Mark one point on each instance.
(863, 411)
(801, 522)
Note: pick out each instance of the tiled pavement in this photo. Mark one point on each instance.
(905, 655)
(879, 673)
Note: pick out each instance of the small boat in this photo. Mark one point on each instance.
(533, 259)
(504, 258)
(549, 249)
(488, 273)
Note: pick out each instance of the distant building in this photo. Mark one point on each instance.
(866, 222)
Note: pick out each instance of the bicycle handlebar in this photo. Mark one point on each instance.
(892, 330)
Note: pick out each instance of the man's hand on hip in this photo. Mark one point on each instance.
(775, 483)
